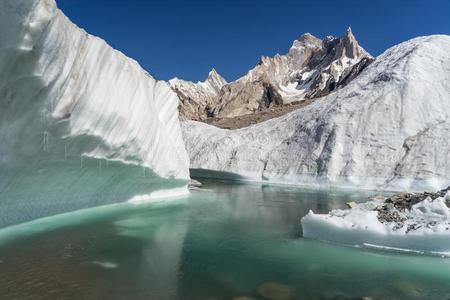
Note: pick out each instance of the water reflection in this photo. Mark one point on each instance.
(160, 256)
(277, 206)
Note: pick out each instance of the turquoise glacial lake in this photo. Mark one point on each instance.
(225, 241)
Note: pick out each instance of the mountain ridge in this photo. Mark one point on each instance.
(312, 68)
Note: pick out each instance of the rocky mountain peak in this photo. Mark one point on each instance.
(349, 31)
(306, 40)
(351, 46)
(312, 68)
(213, 73)
(307, 37)
(215, 80)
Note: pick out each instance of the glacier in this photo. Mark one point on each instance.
(81, 124)
(387, 129)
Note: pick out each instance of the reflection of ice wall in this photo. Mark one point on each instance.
(388, 128)
(73, 105)
(163, 236)
(163, 259)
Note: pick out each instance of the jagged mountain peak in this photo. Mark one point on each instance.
(351, 45)
(306, 40)
(348, 41)
(213, 73)
(197, 100)
(312, 68)
(215, 80)
(349, 30)
(307, 37)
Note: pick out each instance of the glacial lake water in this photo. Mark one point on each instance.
(228, 241)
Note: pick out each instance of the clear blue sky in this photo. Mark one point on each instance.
(186, 39)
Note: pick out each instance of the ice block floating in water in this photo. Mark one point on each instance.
(416, 222)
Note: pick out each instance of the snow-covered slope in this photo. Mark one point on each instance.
(312, 68)
(388, 128)
(198, 100)
(80, 123)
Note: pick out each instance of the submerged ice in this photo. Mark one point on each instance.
(80, 123)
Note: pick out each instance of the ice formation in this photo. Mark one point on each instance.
(425, 227)
(387, 129)
(80, 123)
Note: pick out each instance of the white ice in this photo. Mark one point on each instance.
(72, 104)
(360, 227)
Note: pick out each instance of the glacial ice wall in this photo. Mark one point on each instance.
(388, 129)
(80, 123)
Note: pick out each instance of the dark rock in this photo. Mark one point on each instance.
(404, 201)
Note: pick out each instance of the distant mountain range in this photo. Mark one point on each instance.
(312, 68)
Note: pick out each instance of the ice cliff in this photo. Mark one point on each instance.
(389, 128)
(80, 123)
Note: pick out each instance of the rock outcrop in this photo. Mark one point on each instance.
(198, 100)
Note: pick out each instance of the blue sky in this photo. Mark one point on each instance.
(186, 39)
